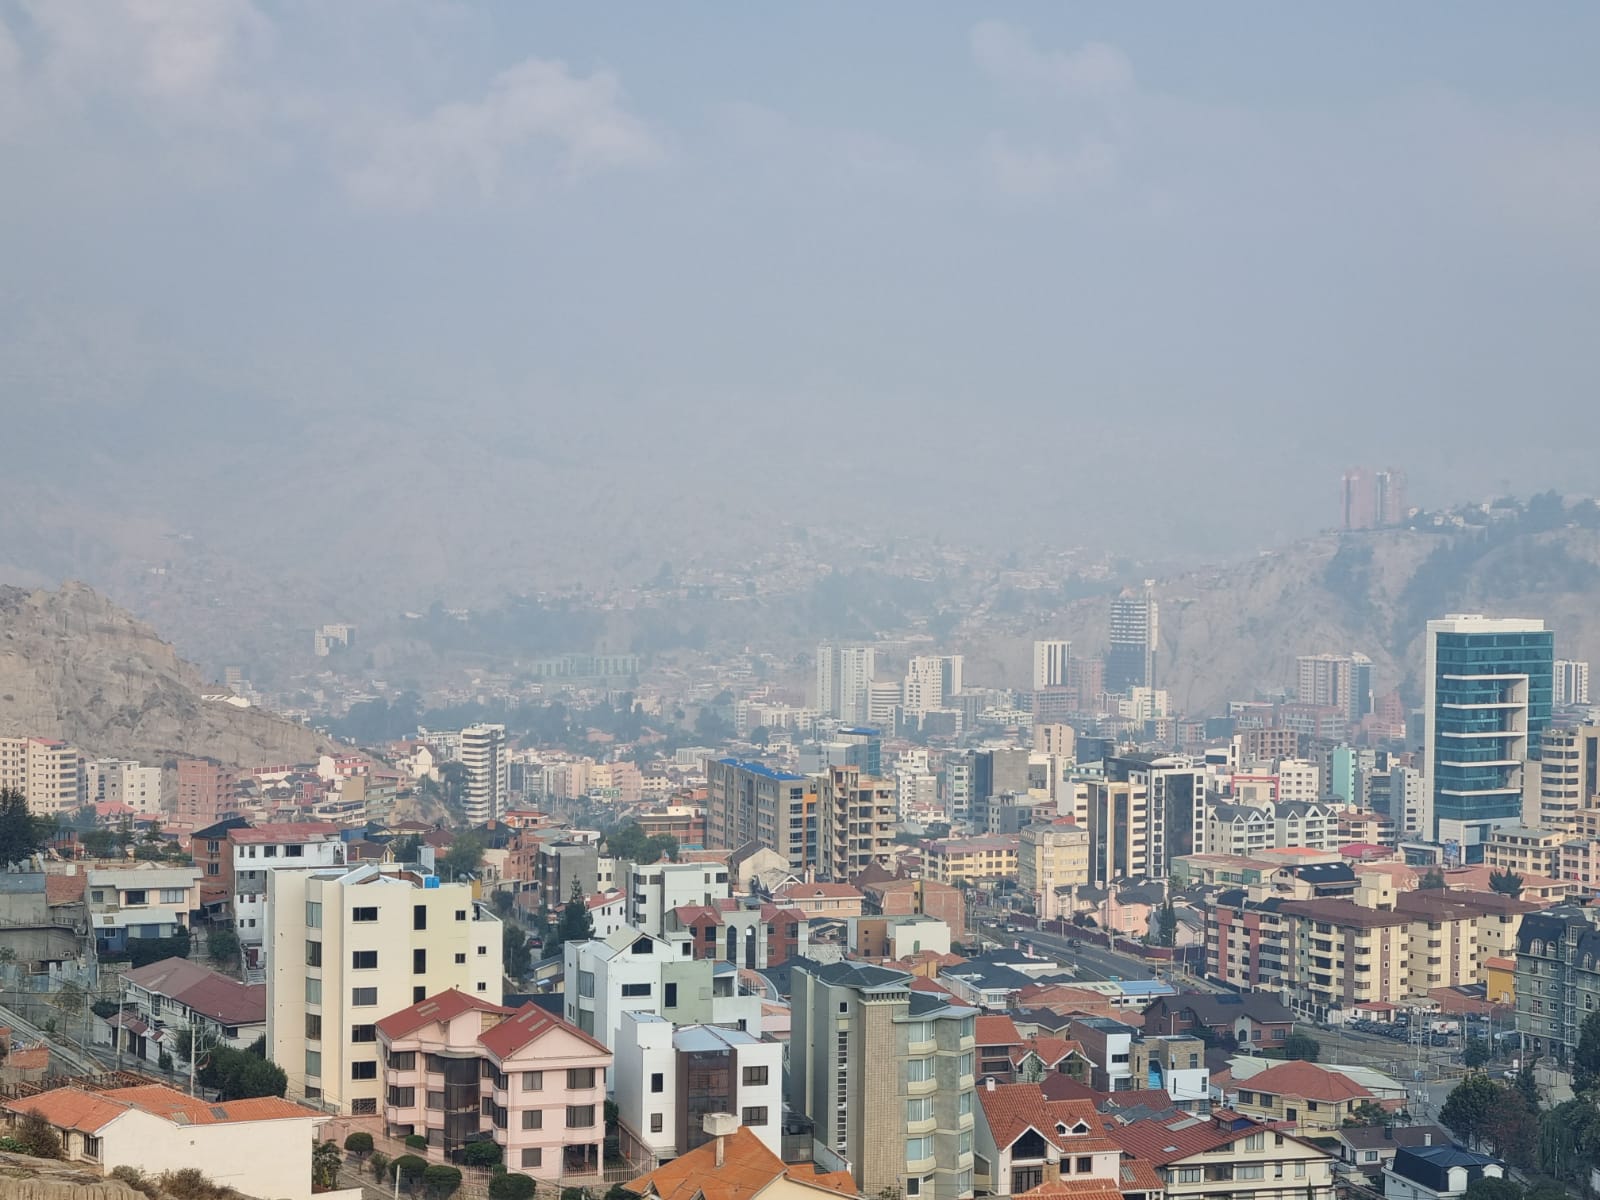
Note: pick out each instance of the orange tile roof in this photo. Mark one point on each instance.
(1012, 1108)
(445, 1006)
(1079, 1189)
(1167, 1141)
(1307, 1081)
(528, 1024)
(1139, 1176)
(187, 1110)
(747, 1169)
(998, 1031)
(1051, 1050)
(70, 1108)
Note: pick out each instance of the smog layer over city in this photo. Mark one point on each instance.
(914, 602)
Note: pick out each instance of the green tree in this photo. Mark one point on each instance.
(1475, 1053)
(407, 849)
(98, 843)
(1490, 1187)
(378, 1164)
(512, 1187)
(440, 1180)
(240, 1075)
(1527, 1085)
(409, 1168)
(19, 831)
(222, 946)
(465, 856)
(1367, 1113)
(1505, 883)
(515, 953)
(359, 1143)
(1466, 1109)
(1302, 1046)
(1433, 880)
(576, 924)
(1164, 926)
(481, 1154)
(325, 1158)
(37, 1136)
(1586, 1058)
(1511, 1128)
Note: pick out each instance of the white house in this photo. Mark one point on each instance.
(1436, 1172)
(173, 995)
(655, 889)
(262, 1147)
(266, 848)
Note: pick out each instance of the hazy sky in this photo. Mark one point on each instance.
(1166, 268)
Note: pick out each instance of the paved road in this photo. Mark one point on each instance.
(1087, 961)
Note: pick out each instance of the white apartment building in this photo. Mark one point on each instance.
(1571, 682)
(488, 788)
(655, 889)
(633, 971)
(259, 851)
(349, 947)
(669, 1076)
(1299, 779)
(122, 781)
(47, 772)
(844, 680)
(1050, 663)
(915, 792)
(924, 685)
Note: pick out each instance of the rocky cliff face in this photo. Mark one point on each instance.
(25, 1178)
(75, 666)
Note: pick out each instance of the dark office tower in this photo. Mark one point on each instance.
(1132, 659)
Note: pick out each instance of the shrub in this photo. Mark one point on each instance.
(379, 1165)
(574, 1193)
(359, 1142)
(512, 1187)
(409, 1167)
(37, 1136)
(137, 1180)
(481, 1154)
(440, 1180)
(415, 1141)
(190, 1184)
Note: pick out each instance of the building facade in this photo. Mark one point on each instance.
(483, 752)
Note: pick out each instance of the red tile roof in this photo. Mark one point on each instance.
(74, 1108)
(1082, 1188)
(1167, 1141)
(284, 831)
(70, 1108)
(446, 1006)
(529, 1024)
(1013, 1108)
(1307, 1081)
(1050, 1050)
(998, 1031)
(747, 1169)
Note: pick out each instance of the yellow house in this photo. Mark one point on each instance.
(1500, 978)
(1310, 1097)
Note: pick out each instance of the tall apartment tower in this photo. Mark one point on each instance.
(844, 681)
(48, 773)
(924, 685)
(1342, 681)
(347, 947)
(1569, 776)
(887, 1075)
(1487, 685)
(205, 792)
(1572, 682)
(856, 814)
(1371, 499)
(752, 802)
(1050, 659)
(488, 785)
(1134, 632)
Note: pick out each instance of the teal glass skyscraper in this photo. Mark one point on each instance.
(1487, 683)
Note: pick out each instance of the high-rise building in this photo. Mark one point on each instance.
(1569, 776)
(856, 814)
(347, 947)
(1486, 704)
(1050, 856)
(1131, 661)
(1050, 660)
(1118, 815)
(48, 773)
(887, 1075)
(205, 792)
(488, 783)
(844, 678)
(1571, 682)
(1342, 681)
(751, 802)
(1372, 499)
(122, 781)
(924, 685)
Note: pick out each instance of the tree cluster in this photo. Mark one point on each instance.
(240, 1075)
(630, 842)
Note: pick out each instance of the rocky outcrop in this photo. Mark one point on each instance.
(77, 667)
(25, 1178)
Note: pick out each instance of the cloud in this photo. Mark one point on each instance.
(1040, 173)
(1093, 71)
(537, 107)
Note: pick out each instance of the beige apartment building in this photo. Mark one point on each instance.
(1568, 763)
(1117, 815)
(47, 772)
(856, 816)
(347, 947)
(1524, 850)
(1050, 856)
(1341, 954)
(956, 861)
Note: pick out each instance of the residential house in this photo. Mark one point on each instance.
(1108, 1043)
(1042, 1055)
(1024, 1141)
(1371, 1148)
(459, 1069)
(1311, 1098)
(144, 901)
(261, 1147)
(1226, 1157)
(162, 999)
(261, 849)
(821, 899)
(1437, 1172)
(1248, 1018)
(736, 1165)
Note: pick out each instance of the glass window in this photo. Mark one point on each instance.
(363, 960)
(655, 1122)
(919, 1070)
(403, 1060)
(533, 1156)
(755, 1076)
(918, 1148)
(419, 916)
(314, 1063)
(313, 1025)
(362, 915)
(754, 1117)
(533, 1118)
(313, 990)
(580, 1116)
(533, 1081)
(365, 997)
(919, 1108)
(435, 1099)
(364, 1070)
(313, 954)
(579, 1078)
(363, 1033)
(658, 1082)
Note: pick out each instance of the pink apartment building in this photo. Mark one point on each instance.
(459, 1069)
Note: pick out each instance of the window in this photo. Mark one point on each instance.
(367, 1106)
(313, 990)
(658, 1082)
(965, 1144)
(655, 1122)
(313, 954)
(403, 1060)
(364, 1070)
(482, 951)
(1085, 1165)
(363, 960)
(419, 962)
(174, 895)
(436, 1100)
(754, 1117)
(402, 1097)
(363, 997)
(919, 1148)
(964, 1107)
(533, 1081)
(419, 916)
(533, 1156)
(1188, 1174)
(1255, 1141)
(635, 990)
(919, 1031)
(420, 993)
(460, 958)
(755, 1076)
(964, 1064)
(580, 1116)
(1250, 1171)
(1299, 1170)
(461, 914)
(314, 1063)
(133, 897)
(533, 1118)
(294, 851)
(919, 1108)
(313, 1025)
(580, 1077)
(670, 995)
(363, 1033)
(269, 852)
(362, 915)
(919, 1070)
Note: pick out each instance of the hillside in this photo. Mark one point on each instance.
(75, 666)
(1228, 633)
